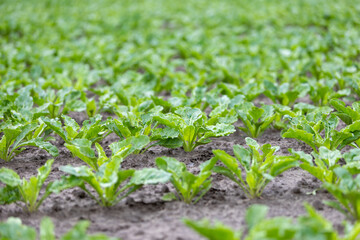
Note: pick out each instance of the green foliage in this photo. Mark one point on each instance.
(134, 120)
(110, 182)
(322, 166)
(317, 129)
(13, 229)
(21, 190)
(255, 119)
(190, 188)
(285, 94)
(62, 102)
(322, 91)
(347, 114)
(216, 231)
(93, 129)
(310, 226)
(194, 128)
(17, 137)
(259, 163)
(346, 193)
(82, 148)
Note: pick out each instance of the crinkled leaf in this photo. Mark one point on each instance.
(255, 214)
(9, 177)
(40, 143)
(47, 229)
(13, 229)
(149, 176)
(189, 115)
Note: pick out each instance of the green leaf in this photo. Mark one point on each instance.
(40, 143)
(170, 120)
(218, 231)
(47, 229)
(64, 183)
(189, 115)
(149, 176)
(77, 232)
(228, 160)
(171, 143)
(302, 156)
(170, 164)
(71, 127)
(81, 171)
(331, 156)
(9, 195)
(13, 229)
(56, 126)
(169, 197)
(137, 143)
(91, 108)
(300, 135)
(9, 177)
(44, 171)
(82, 149)
(255, 214)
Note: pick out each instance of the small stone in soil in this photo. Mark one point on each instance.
(318, 205)
(165, 189)
(80, 194)
(296, 190)
(130, 201)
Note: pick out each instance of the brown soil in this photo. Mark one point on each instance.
(144, 215)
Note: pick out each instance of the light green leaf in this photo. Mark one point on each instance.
(9, 177)
(47, 229)
(149, 176)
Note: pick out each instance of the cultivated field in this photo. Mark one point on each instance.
(180, 119)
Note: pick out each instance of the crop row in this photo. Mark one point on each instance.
(178, 74)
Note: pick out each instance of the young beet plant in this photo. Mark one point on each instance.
(259, 164)
(309, 129)
(190, 188)
(92, 129)
(13, 229)
(82, 148)
(255, 119)
(284, 94)
(194, 128)
(135, 123)
(258, 227)
(109, 181)
(322, 166)
(347, 114)
(17, 137)
(347, 194)
(21, 190)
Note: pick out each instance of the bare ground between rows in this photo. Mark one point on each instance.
(144, 215)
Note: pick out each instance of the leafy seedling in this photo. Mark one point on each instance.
(110, 182)
(21, 190)
(190, 188)
(17, 137)
(309, 129)
(82, 148)
(194, 128)
(258, 227)
(259, 163)
(283, 93)
(93, 129)
(255, 119)
(321, 92)
(346, 192)
(321, 165)
(13, 229)
(216, 231)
